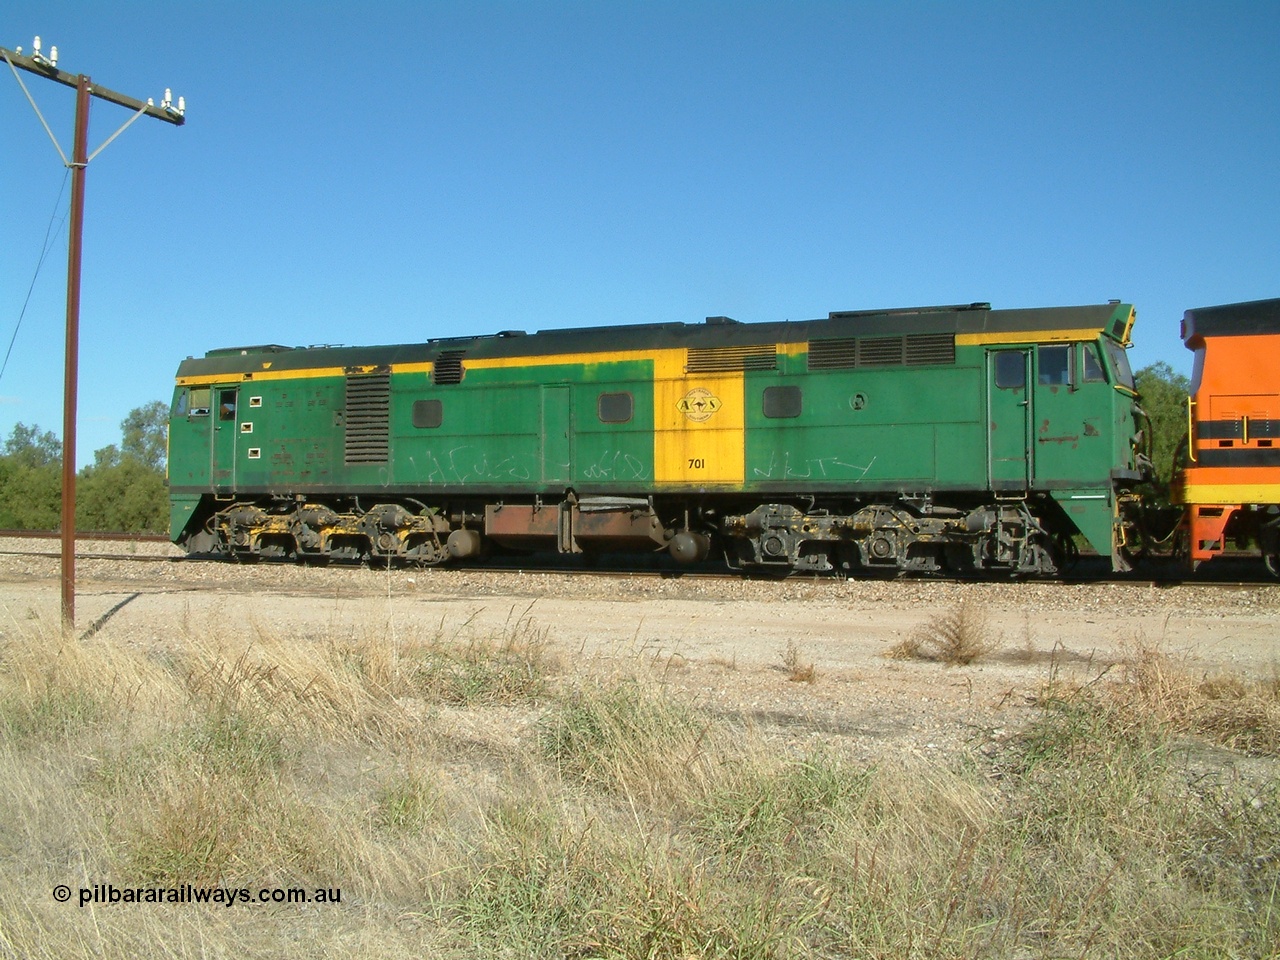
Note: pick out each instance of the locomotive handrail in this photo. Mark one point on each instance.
(1191, 440)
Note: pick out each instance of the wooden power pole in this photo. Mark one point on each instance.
(47, 66)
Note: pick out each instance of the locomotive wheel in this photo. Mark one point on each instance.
(1065, 553)
(1139, 545)
(1269, 542)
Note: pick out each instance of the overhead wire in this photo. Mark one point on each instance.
(44, 252)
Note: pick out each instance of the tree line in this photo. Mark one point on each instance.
(125, 489)
(1164, 397)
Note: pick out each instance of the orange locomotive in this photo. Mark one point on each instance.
(1229, 479)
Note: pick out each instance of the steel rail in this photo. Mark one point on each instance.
(85, 535)
(1172, 580)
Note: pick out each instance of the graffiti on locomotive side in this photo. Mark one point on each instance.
(808, 468)
(468, 464)
(616, 465)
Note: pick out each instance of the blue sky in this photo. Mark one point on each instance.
(430, 169)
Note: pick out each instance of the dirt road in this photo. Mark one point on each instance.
(793, 655)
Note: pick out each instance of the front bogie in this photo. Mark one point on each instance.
(903, 536)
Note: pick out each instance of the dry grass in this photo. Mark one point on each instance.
(958, 637)
(1235, 712)
(610, 818)
(799, 670)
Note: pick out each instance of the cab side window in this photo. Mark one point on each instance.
(200, 399)
(226, 404)
(1055, 366)
(1011, 370)
(1092, 365)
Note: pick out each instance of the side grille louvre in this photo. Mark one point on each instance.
(845, 353)
(880, 351)
(931, 348)
(731, 359)
(368, 418)
(833, 354)
(448, 367)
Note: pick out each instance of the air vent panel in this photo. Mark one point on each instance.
(731, 359)
(368, 418)
(845, 353)
(448, 367)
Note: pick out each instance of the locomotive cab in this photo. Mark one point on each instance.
(1077, 438)
(1228, 476)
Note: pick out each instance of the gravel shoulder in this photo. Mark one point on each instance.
(729, 645)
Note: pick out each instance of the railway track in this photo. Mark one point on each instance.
(84, 535)
(550, 567)
(1242, 571)
(92, 537)
(86, 555)
(537, 565)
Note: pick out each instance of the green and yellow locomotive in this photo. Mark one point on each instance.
(954, 439)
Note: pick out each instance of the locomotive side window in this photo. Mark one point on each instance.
(200, 399)
(428, 414)
(227, 404)
(615, 407)
(782, 403)
(1124, 374)
(1011, 370)
(1092, 367)
(1055, 366)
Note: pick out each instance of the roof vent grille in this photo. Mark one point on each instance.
(845, 353)
(448, 367)
(731, 359)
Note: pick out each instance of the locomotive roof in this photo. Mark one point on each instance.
(1232, 320)
(1110, 319)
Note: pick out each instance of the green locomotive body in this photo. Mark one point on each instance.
(936, 438)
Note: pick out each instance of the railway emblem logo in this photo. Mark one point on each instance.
(698, 404)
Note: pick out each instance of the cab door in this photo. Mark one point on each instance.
(1061, 418)
(1009, 461)
(226, 430)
